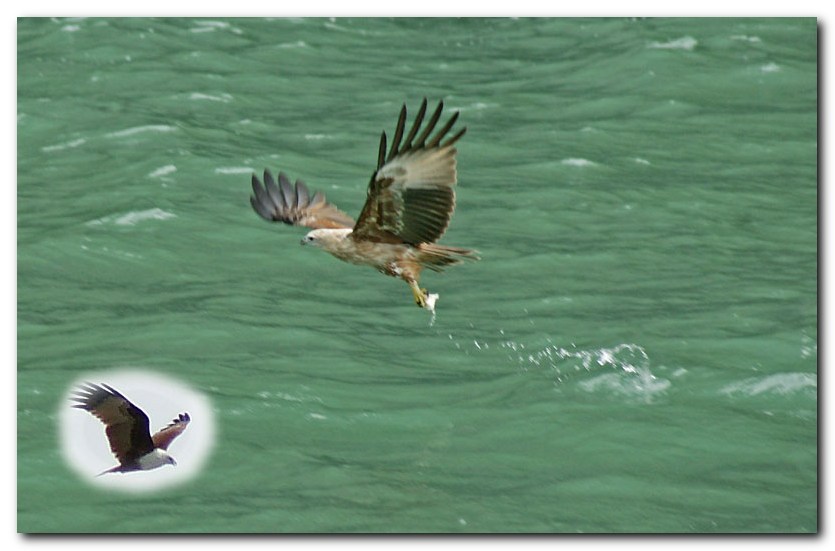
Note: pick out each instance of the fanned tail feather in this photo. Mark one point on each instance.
(437, 257)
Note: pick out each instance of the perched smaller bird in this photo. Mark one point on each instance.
(408, 207)
(127, 429)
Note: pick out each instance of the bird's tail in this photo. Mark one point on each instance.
(116, 469)
(437, 257)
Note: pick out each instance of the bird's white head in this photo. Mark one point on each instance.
(325, 238)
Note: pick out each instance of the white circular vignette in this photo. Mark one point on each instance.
(162, 397)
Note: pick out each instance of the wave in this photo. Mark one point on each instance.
(777, 383)
(134, 217)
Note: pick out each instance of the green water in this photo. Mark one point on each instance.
(635, 352)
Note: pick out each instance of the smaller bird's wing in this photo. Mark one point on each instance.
(162, 439)
(411, 195)
(125, 424)
(282, 202)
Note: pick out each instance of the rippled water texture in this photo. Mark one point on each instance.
(635, 352)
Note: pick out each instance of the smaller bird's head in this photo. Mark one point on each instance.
(155, 459)
(164, 458)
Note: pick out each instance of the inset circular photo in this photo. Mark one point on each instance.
(135, 430)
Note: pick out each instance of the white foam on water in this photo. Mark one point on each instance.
(199, 96)
(161, 128)
(746, 38)
(133, 218)
(578, 162)
(684, 43)
(209, 26)
(778, 383)
(162, 171)
(234, 170)
(65, 145)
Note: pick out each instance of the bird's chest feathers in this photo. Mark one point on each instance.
(153, 459)
(367, 253)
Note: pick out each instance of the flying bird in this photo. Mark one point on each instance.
(410, 201)
(126, 427)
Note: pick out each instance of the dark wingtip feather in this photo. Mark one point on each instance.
(181, 418)
(89, 395)
(262, 202)
(407, 145)
(442, 132)
(455, 138)
(317, 198)
(112, 390)
(302, 194)
(275, 196)
(286, 189)
(260, 209)
(398, 133)
(258, 188)
(381, 154)
(430, 125)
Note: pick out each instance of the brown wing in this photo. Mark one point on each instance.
(295, 206)
(125, 424)
(162, 439)
(411, 196)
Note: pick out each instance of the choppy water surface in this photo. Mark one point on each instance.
(636, 352)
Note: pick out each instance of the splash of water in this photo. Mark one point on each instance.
(625, 368)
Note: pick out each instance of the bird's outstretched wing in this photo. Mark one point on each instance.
(162, 439)
(125, 424)
(411, 196)
(294, 205)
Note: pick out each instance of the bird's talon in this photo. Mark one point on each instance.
(420, 296)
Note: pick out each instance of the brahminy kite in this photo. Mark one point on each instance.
(409, 205)
(127, 429)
